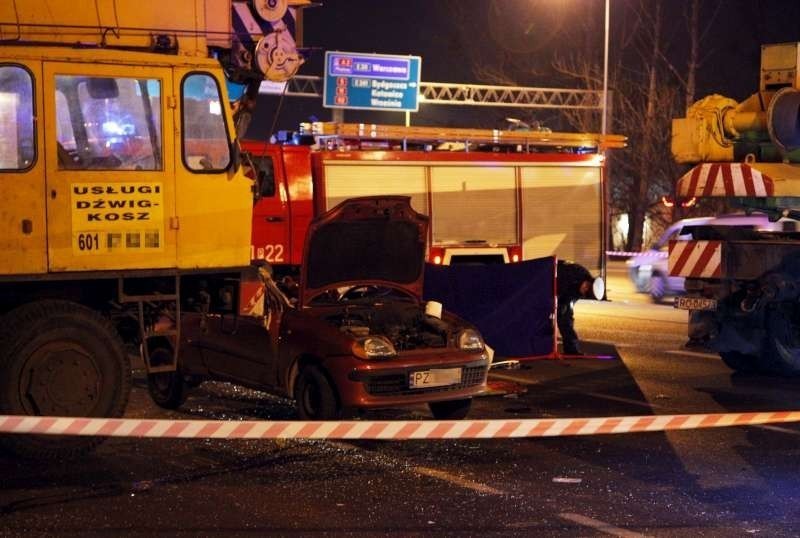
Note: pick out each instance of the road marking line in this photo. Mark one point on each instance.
(626, 400)
(638, 334)
(778, 429)
(425, 471)
(457, 480)
(598, 525)
(613, 343)
(648, 405)
(692, 353)
(610, 315)
(508, 377)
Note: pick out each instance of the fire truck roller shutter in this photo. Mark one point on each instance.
(473, 204)
(344, 181)
(562, 214)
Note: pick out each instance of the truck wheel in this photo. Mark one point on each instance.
(783, 342)
(64, 359)
(167, 389)
(315, 396)
(740, 362)
(451, 409)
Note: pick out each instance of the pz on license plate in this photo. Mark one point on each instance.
(434, 378)
(695, 303)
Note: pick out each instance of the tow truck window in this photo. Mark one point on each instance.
(17, 149)
(108, 123)
(206, 147)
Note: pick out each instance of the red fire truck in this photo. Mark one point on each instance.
(493, 196)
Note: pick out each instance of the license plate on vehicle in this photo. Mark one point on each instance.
(434, 378)
(695, 303)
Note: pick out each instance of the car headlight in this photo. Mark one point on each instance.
(470, 340)
(374, 347)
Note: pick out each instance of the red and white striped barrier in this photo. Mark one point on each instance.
(383, 430)
(695, 259)
(724, 179)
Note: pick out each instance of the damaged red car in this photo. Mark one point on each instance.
(356, 336)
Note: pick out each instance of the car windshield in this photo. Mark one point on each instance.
(360, 294)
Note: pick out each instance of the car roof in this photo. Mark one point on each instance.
(730, 219)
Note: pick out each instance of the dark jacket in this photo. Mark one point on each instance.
(569, 277)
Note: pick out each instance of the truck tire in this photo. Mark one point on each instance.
(64, 359)
(451, 409)
(740, 362)
(783, 342)
(315, 396)
(167, 389)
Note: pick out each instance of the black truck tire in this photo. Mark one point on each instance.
(741, 362)
(783, 341)
(60, 358)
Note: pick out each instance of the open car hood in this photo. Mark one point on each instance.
(377, 240)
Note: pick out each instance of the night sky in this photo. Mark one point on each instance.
(453, 37)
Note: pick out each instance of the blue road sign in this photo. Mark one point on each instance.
(371, 81)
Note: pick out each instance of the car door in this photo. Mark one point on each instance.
(235, 337)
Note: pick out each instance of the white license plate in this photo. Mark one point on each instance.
(434, 378)
(695, 303)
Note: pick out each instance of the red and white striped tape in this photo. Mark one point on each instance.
(695, 259)
(724, 179)
(383, 430)
(645, 254)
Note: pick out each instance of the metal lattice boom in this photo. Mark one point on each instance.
(304, 86)
(439, 93)
(509, 96)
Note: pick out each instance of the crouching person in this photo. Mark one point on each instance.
(573, 282)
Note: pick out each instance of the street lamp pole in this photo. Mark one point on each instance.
(605, 240)
(604, 120)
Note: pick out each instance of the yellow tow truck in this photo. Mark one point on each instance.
(122, 198)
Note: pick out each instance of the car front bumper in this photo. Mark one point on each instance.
(386, 383)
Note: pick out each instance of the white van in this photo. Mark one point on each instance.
(649, 269)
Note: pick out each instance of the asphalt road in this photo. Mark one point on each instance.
(722, 482)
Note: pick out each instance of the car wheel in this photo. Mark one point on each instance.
(451, 409)
(657, 287)
(638, 280)
(315, 396)
(167, 389)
